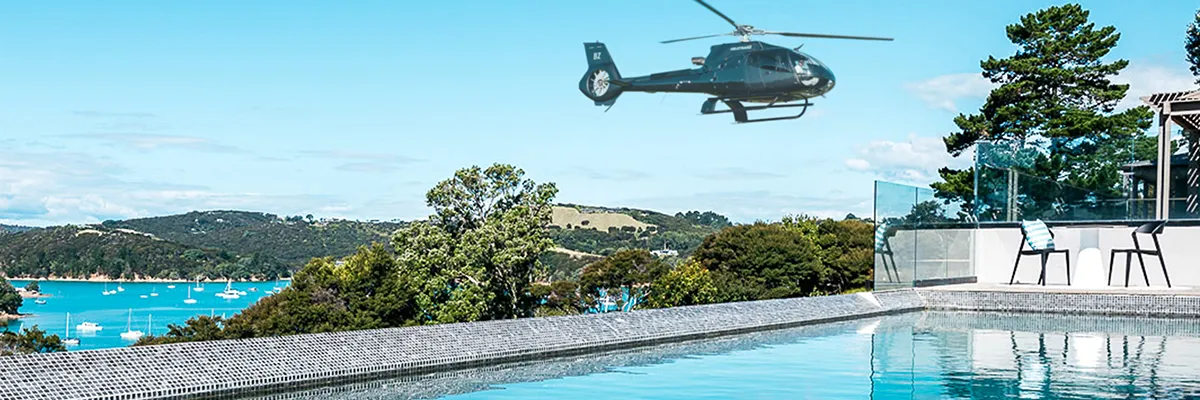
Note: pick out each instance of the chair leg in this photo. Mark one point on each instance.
(1163, 262)
(1045, 257)
(1014, 274)
(1111, 258)
(1128, 263)
(1142, 261)
(1068, 256)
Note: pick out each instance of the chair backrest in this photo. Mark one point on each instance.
(1037, 235)
(1152, 227)
(881, 235)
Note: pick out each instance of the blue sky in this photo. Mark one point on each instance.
(354, 109)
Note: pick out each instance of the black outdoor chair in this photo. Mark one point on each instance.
(1152, 228)
(1045, 253)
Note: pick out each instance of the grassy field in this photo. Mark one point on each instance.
(564, 216)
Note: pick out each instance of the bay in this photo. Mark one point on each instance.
(85, 301)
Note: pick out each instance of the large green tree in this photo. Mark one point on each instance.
(761, 261)
(10, 300)
(1054, 92)
(478, 253)
(1192, 45)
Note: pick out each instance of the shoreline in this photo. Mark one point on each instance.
(137, 280)
(6, 318)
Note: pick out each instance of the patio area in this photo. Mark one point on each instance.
(1019, 232)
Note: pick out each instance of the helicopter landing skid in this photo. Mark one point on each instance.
(739, 110)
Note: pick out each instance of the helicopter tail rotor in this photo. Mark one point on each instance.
(602, 82)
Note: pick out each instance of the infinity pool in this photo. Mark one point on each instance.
(926, 355)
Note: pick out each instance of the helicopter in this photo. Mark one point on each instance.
(747, 71)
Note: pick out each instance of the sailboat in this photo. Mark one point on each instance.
(198, 287)
(119, 288)
(229, 293)
(170, 286)
(153, 293)
(189, 299)
(106, 291)
(129, 333)
(67, 339)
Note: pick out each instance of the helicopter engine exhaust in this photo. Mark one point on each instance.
(601, 82)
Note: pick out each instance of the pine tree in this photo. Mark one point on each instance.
(1192, 45)
(1054, 92)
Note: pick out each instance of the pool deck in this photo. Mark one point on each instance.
(1031, 288)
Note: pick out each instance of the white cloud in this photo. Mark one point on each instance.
(1145, 79)
(737, 174)
(50, 188)
(149, 141)
(915, 161)
(944, 91)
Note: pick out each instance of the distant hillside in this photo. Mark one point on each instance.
(293, 240)
(604, 230)
(13, 229)
(85, 252)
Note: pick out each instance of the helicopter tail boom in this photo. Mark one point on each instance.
(602, 82)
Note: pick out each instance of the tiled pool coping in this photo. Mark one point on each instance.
(227, 368)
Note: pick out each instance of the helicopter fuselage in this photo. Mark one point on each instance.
(748, 71)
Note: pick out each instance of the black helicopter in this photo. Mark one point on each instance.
(748, 71)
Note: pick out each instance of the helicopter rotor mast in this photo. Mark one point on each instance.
(745, 31)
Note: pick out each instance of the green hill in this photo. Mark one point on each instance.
(240, 244)
(99, 252)
(13, 229)
(293, 240)
(605, 230)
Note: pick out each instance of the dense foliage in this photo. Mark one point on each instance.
(798, 256)
(1192, 46)
(33, 287)
(1054, 93)
(707, 218)
(474, 259)
(30, 340)
(10, 300)
(626, 271)
(13, 229)
(292, 240)
(687, 284)
(74, 252)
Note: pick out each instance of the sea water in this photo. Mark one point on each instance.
(125, 310)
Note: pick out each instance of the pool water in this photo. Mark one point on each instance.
(925, 355)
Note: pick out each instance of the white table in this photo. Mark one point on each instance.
(1089, 270)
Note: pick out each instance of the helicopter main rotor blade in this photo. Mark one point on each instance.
(821, 35)
(710, 8)
(697, 37)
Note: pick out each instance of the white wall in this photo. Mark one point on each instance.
(996, 250)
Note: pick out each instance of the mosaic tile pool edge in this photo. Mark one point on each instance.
(225, 368)
(222, 369)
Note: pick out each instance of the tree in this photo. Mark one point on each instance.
(32, 287)
(761, 261)
(685, 285)
(1192, 46)
(30, 340)
(625, 270)
(10, 300)
(478, 253)
(1054, 92)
